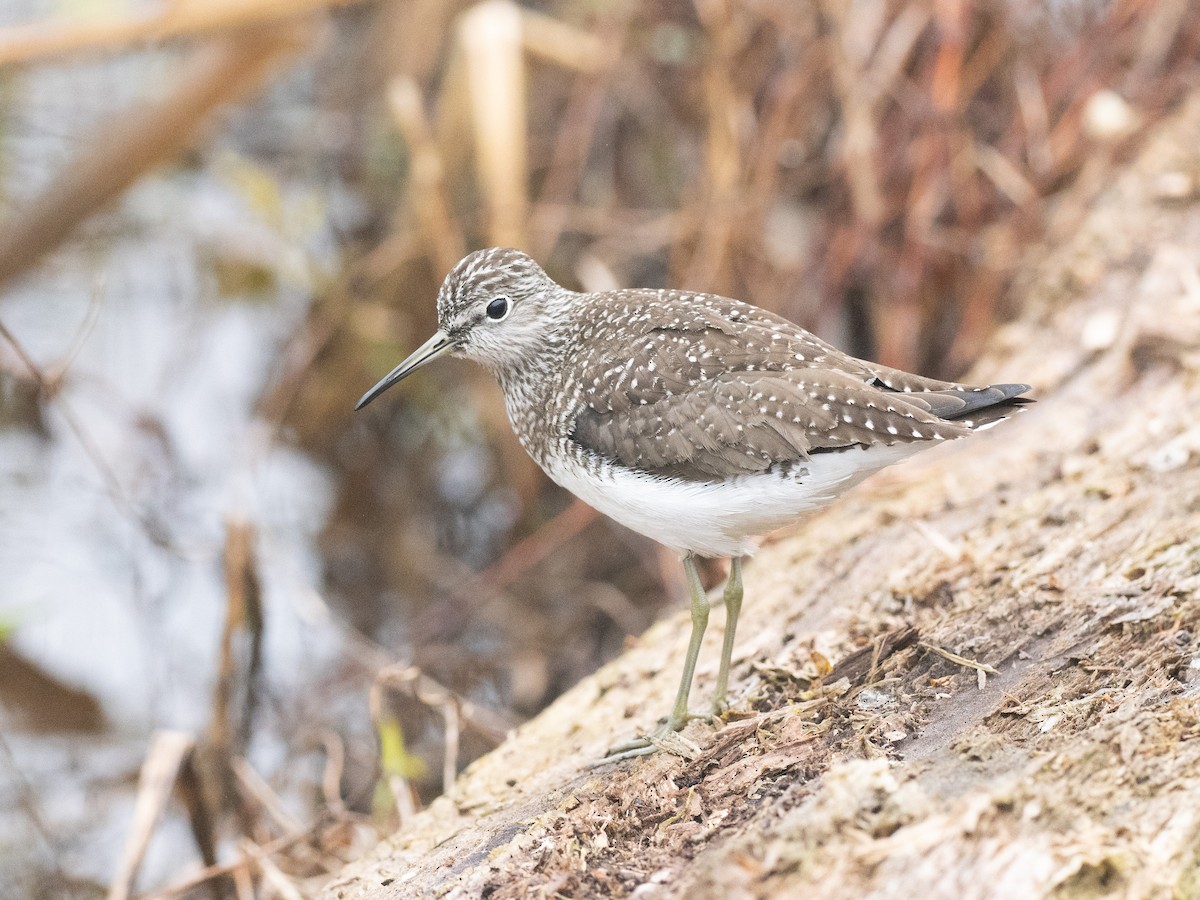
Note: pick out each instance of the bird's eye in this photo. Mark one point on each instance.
(498, 308)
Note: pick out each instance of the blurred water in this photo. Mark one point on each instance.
(110, 546)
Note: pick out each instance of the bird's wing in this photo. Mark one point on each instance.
(743, 422)
(709, 392)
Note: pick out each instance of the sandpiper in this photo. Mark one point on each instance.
(697, 420)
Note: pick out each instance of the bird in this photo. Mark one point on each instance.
(700, 421)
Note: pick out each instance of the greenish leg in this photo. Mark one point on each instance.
(679, 712)
(679, 715)
(733, 606)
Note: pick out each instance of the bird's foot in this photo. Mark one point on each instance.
(665, 737)
(668, 741)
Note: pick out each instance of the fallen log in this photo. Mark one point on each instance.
(1013, 708)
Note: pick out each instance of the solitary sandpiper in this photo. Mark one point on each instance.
(697, 420)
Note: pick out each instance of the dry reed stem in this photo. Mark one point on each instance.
(274, 876)
(44, 40)
(193, 789)
(412, 682)
(1010, 180)
(168, 751)
(331, 775)
(270, 802)
(243, 885)
(860, 139)
(550, 214)
(426, 189)
(492, 54)
(454, 710)
(419, 686)
(489, 74)
(453, 733)
(564, 45)
(234, 695)
(723, 157)
(572, 144)
(140, 139)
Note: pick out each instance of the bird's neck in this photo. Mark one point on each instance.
(530, 380)
(529, 384)
(534, 347)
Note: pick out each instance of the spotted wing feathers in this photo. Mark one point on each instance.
(710, 391)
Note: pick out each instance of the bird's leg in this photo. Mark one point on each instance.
(679, 712)
(733, 606)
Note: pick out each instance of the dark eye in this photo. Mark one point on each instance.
(498, 308)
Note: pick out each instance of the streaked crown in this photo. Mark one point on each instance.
(496, 305)
(484, 275)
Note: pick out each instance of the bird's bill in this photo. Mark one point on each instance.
(436, 346)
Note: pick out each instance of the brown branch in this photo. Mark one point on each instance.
(142, 138)
(45, 40)
(531, 550)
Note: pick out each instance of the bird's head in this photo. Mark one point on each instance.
(493, 307)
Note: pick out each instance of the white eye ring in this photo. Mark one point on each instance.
(498, 309)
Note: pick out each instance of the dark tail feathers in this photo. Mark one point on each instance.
(974, 407)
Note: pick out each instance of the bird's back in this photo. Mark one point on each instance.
(700, 387)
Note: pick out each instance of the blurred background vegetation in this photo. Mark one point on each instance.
(245, 631)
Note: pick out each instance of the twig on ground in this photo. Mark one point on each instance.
(273, 875)
(983, 669)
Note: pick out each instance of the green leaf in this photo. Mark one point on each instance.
(394, 757)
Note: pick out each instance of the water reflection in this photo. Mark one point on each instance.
(113, 505)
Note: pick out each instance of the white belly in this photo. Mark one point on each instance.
(723, 518)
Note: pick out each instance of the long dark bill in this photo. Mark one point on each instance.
(437, 345)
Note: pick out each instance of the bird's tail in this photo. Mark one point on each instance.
(987, 406)
(973, 407)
